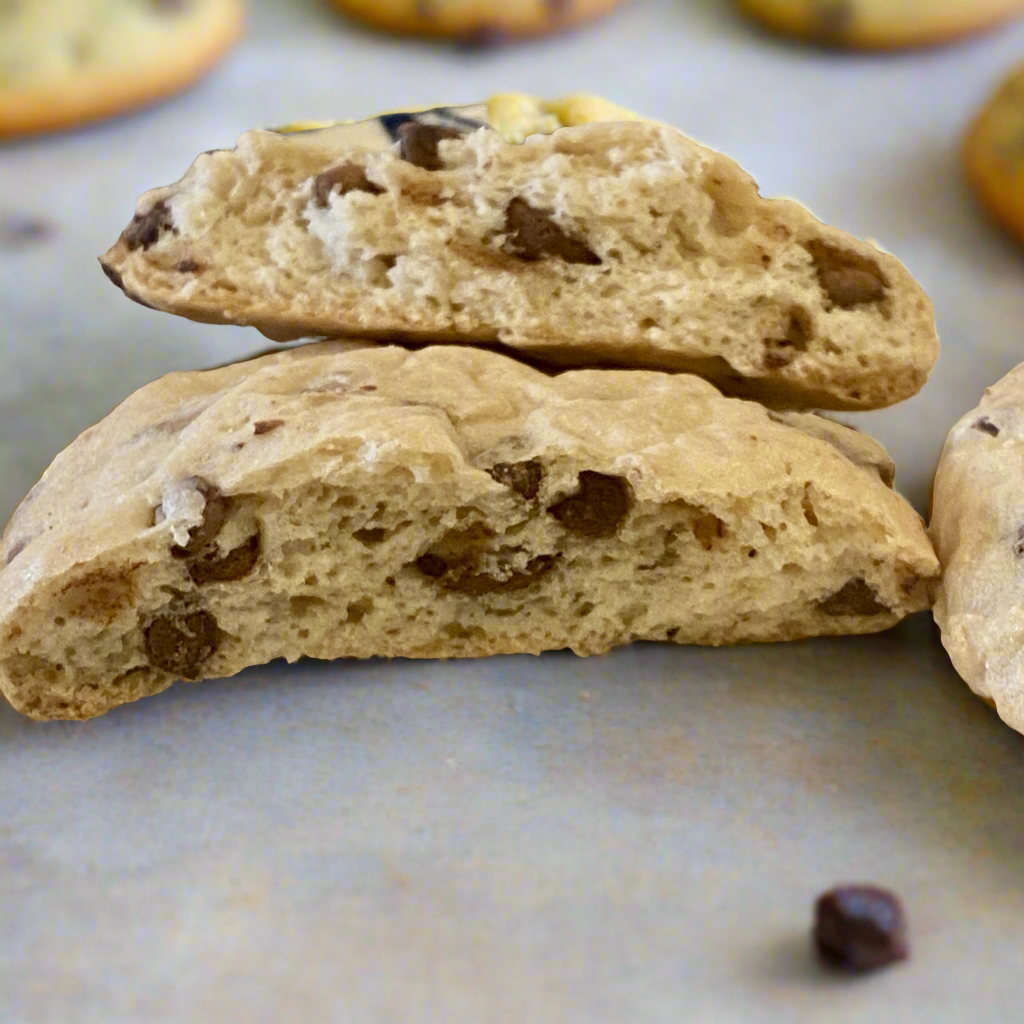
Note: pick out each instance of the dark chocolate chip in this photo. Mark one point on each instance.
(187, 267)
(463, 579)
(860, 928)
(266, 426)
(418, 143)
(986, 426)
(211, 567)
(181, 644)
(533, 235)
(146, 228)
(855, 597)
(344, 178)
(215, 512)
(598, 508)
(846, 277)
(522, 477)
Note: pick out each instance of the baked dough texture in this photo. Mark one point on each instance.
(978, 529)
(613, 244)
(475, 20)
(65, 62)
(880, 24)
(994, 153)
(336, 500)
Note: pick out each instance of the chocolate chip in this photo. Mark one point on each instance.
(532, 235)
(986, 426)
(215, 512)
(598, 508)
(187, 267)
(181, 644)
(855, 597)
(432, 565)
(417, 143)
(846, 277)
(146, 228)
(522, 477)
(210, 567)
(860, 928)
(266, 426)
(344, 178)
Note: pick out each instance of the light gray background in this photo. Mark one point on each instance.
(636, 838)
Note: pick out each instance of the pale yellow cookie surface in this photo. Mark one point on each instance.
(64, 62)
(879, 24)
(485, 20)
(517, 115)
(994, 153)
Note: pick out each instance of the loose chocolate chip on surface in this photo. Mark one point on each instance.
(598, 508)
(211, 567)
(859, 928)
(532, 235)
(418, 143)
(146, 228)
(181, 644)
(986, 426)
(522, 477)
(855, 597)
(266, 426)
(344, 178)
(846, 277)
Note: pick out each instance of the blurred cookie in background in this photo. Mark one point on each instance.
(481, 21)
(880, 24)
(66, 62)
(994, 153)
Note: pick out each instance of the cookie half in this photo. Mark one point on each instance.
(994, 153)
(618, 244)
(880, 24)
(978, 528)
(335, 501)
(475, 20)
(66, 62)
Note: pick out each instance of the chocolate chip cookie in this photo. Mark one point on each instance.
(880, 24)
(978, 529)
(481, 21)
(336, 500)
(65, 62)
(994, 153)
(604, 244)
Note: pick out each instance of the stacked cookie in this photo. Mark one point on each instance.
(604, 477)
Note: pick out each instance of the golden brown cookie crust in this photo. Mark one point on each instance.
(879, 24)
(994, 153)
(63, 100)
(483, 20)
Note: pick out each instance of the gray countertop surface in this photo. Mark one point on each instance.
(635, 838)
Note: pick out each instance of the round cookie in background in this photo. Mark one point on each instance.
(879, 24)
(475, 20)
(67, 62)
(994, 153)
(977, 527)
